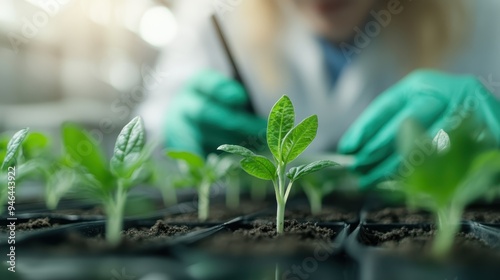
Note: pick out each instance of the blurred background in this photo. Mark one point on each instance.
(84, 61)
(95, 61)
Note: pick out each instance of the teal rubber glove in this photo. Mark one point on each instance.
(435, 99)
(209, 111)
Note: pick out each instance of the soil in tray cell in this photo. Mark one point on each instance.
(418, 243)
(260, 238)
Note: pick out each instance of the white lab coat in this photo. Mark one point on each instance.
(305, 76)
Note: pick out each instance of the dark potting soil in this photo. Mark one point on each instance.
(32, 224)
(131, 238)
(218, 213)
(401, 215)
(418, 243)
(483, 215)
(327, 214)
(398, 215)
(260, 238)
(159, 231)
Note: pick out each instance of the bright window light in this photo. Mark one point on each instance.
(158, 26)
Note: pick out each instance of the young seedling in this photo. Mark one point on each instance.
(286, 142)
(316, 189)
(11, 158)
(233, 184)
(38, 162)
(165, 183)
(53, 170)
(201, 174)
(458, 171)
(109, 185)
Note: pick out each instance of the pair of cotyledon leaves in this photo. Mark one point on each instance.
(200, 170)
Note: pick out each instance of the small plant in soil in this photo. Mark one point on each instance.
(233, 185)
(200, 174)
(54, 170)
(458, 170)
(40, 163)
(167, 184)
(23, 156)
(316, 188)
(286, 142)
(109, 184)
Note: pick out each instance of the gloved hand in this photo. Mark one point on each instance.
(210, 111)
(436, 100)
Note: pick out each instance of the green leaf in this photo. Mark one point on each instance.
(237, 150)
(296, 173)
(4, 141)
(225, 165)
(482, 177)
(191, 159)
(58, 185)
(35, 145)
(3, 153)
(183, 182)
(88, 186)
(128, 148)
(83, 149)
(140, 165)
(280, 122)
(216, 167)
(13, 148)
(33, 168)
(299, 138)
(260, 167)
(3, 191)
(435, 180)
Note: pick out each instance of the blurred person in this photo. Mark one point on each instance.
(363, 66)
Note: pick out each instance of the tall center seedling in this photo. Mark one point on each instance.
(109, 185)
(286, 142)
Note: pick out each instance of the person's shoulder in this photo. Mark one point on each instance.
(485, 3)
(479, 57)
(484, 11)
(484, 21)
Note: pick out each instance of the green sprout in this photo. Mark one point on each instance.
(167, 184)
(12, 169)
(316, 188)
(458, 170)
(201, 174)
(233, 184)
(286, 142)
(109, 184)
(58, 176)
(39, 162)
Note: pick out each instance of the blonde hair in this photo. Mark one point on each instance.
(430, 28)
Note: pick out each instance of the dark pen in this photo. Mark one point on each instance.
(232, 61)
